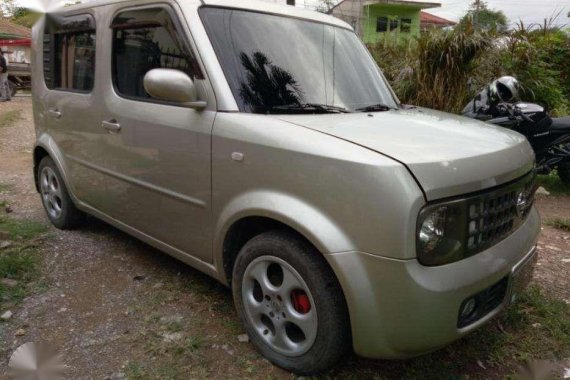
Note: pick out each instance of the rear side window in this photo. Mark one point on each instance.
(147, 39)
(69, 53)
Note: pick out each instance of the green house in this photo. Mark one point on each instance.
(378, 20)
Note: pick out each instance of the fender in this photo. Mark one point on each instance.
(312, 223)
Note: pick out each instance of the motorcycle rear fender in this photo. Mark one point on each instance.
(561, 124)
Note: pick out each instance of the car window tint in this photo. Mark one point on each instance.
(321, 64)
(77, 61)
(143, 40)
(69, 53)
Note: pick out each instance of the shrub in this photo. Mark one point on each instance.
(434, 69)
(538, 56)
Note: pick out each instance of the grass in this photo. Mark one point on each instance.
(7, 119)
(535, 328)
(553, 184)
(560, 223)
(4, 187)
(20, 260)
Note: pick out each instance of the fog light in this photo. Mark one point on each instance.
(468, 308)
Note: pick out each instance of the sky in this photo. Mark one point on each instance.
(530, 11)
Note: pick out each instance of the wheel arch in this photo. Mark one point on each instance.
(39, 154)
(251, 214)
(242, 231)
(46, 147)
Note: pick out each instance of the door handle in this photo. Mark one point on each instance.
(111, 126)
(54, 113)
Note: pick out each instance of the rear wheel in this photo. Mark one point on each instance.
(55, 198)
(290, 303)
(564, 173)
(13, 88)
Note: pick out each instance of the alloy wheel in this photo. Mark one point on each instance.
(51, 192)
(279, 305)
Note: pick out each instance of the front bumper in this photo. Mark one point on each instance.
(401, 309)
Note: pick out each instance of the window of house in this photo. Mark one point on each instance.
(147, 39)
(394, 23)
(406, 25)
(69, 53)
(382, 24)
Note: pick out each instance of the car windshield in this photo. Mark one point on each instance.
(277, 64)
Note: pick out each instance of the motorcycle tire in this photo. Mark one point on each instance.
(564, 173)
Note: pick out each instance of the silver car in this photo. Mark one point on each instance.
(262, 145)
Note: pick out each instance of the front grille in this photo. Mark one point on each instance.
(493, 215)
(485, 302)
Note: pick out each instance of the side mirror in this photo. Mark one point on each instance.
(172, 86)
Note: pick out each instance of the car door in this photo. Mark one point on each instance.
(69, 103)
(156, 154)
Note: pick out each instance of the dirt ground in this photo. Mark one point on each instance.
(115, 306)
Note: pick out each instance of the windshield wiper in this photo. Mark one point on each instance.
(376, 107)
(310, 107)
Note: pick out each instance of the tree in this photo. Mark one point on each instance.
(480, 17)
(25, 17)
(325, 5)
(7, 8)
(268, 85)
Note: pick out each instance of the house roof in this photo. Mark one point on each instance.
(428, 19)
(10, 30)
(417, 4)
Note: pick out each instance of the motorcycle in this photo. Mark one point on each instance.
(549, 137)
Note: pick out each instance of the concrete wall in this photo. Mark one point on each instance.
(363, 19)
(392, 12)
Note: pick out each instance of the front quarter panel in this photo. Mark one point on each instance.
(339, 195)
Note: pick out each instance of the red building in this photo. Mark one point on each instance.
(429, 21)
(17, 39)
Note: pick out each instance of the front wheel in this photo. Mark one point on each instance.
(564, 173)
(291, 303)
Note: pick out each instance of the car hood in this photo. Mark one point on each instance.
(448, 155)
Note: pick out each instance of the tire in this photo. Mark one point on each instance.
(13, 88)
(298, 287)
(55, 198)
(564, 173)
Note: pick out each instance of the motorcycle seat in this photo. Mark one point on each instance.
(561, 123)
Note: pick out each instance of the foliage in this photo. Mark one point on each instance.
(436, 67)
(7, 8)
(433, 69)
(25, 17)
(538, 56)
(325, 6)
(19, 257)
(484, 18)
(553, 184)
(559, 223)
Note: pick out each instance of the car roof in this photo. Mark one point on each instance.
(278, 9)
(251, 5)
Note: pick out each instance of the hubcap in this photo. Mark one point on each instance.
(279, 305)
(51, 192)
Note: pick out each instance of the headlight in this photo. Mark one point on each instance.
(454, 230)
(441, 233)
